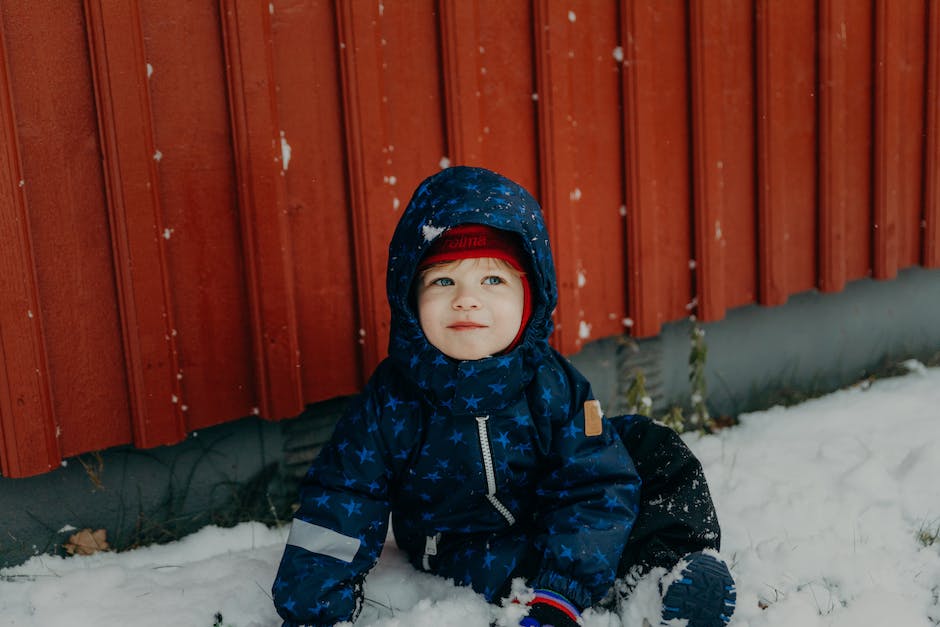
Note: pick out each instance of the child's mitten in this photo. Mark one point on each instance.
(549, 609)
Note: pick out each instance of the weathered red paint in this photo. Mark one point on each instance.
(656, 151)
(52, 96)
(900, 57)
(786, 148)
(27, 421)
(490, 79)
(724, 207)
(311, 118)
(581, 192)
(164, 267)
(262, 204)
(192, 122)
(932, 158)
(845, 142)
(136, 221)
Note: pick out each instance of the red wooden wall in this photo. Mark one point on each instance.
(196, 197)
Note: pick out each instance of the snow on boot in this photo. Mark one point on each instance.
(700, 590)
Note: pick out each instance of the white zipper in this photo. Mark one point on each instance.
(489, 470)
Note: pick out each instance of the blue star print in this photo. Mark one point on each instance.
(570, 430)
(497, 388)
(601, 558)
(472, 402)
(365, 455)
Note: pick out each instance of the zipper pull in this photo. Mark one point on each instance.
(430, 545)
(430, 549)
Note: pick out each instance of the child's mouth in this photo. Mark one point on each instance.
(466, 326)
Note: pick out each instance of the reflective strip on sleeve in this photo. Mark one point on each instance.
(317, 539)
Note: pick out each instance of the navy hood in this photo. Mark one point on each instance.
(466, 195)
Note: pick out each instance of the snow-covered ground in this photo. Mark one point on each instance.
(821, 505)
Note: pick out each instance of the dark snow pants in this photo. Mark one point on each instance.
(676, 515)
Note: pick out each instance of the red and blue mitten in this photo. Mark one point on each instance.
(549, 609)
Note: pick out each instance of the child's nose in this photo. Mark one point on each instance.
(465, 299)
(466, 303)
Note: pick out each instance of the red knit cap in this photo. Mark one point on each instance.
(474, 241)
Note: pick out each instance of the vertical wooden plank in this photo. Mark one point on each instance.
(358, 27)
(490, 94)
(510, 95)
(557, 156)
(53, 96)
(721, 38)
(595, 192)
(199, 197)
(931, 252)
(262, 205)
(899, 125)
(578, 87)
(786, 159)
(137, 224)
(463, 94)
(306, 53)
(389, 57)
(28, 442)
(845, 142)
(656, 133)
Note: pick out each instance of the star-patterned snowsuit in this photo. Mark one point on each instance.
(484, 466)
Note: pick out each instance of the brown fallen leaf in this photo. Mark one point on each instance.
(723, 422)
(87, 542)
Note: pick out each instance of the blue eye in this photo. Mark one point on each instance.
(492, 280)
(443, 281)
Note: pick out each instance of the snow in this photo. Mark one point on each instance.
(821, 507)
(285, 153)
(431, 232)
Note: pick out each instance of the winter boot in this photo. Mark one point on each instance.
(700, 590)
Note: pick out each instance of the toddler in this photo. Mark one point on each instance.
(485, 447)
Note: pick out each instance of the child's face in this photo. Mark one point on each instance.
(472, 308)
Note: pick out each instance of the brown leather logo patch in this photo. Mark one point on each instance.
(593, 415)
